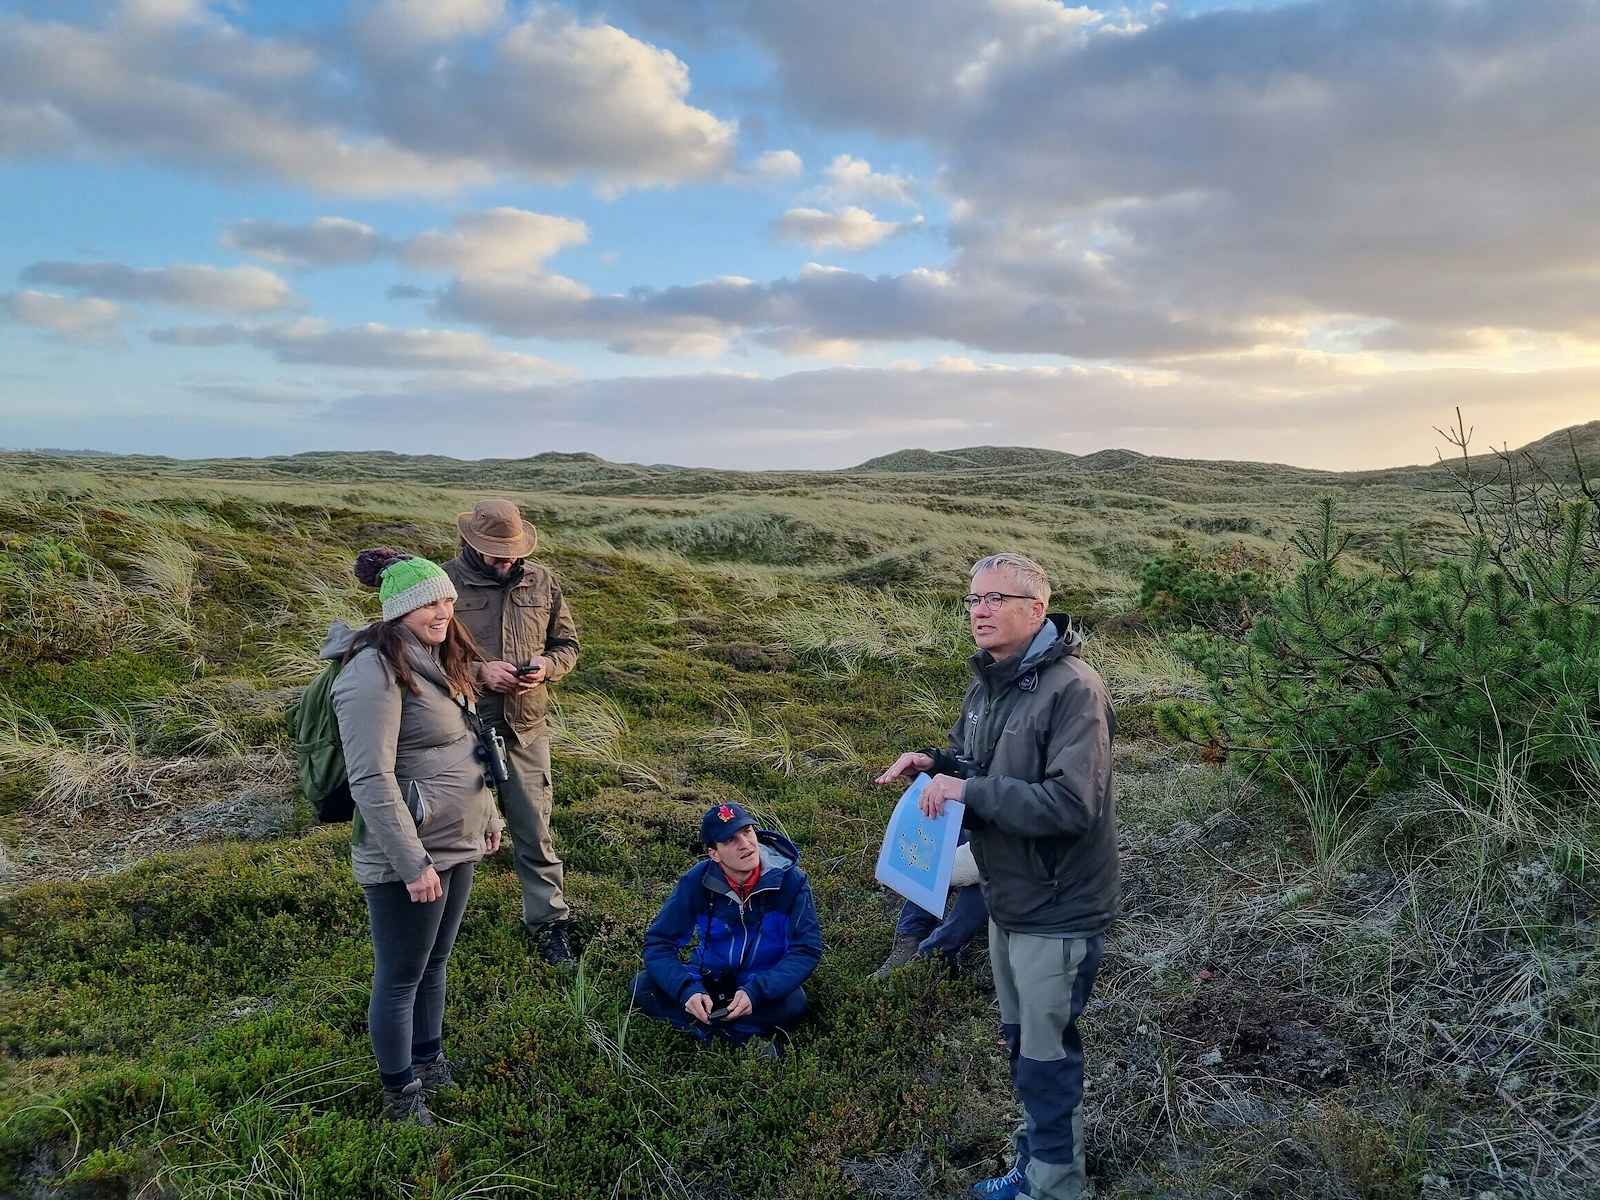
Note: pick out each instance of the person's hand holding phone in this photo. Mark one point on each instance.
(530, 674)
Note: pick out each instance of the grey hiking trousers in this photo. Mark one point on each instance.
(1042, 984)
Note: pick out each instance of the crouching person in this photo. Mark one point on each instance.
(746, 918)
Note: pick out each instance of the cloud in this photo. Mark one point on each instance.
(1421, 164)
(1432, 167)
(390, 27)
(501, 240)
(899, 68)
(558, 309)
(825, 307)
(323, 242)
(414, 97)
(850, 228)
(854, 177)
(556, 98)
(295, 396)
(179, 87)
(779, 165)
(86, 320)
(368, 346)
(241, 290)
(837, 417)
(498, 240)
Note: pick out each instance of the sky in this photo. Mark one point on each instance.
(753, 234)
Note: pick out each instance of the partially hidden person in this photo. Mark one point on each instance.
(728, 952)
(940, 937)
(525, 634)
(425, 811)
(1030, 757)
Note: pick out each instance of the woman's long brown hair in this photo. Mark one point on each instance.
(457, 654)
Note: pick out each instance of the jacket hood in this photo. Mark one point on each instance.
(340, 638)
(1056, 639)
(776, 850)
(778, 854)
(1066, 637)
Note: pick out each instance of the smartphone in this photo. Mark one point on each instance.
(719, 1013)
(525, 669)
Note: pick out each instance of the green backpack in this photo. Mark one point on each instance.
(318, 751)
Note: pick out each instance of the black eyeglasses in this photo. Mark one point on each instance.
(993, 599)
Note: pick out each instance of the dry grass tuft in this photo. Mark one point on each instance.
(811, 746)
(597, 730)
(856, 627)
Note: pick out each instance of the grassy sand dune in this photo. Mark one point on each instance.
(1314, 990)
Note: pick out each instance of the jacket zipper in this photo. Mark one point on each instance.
(747, 952)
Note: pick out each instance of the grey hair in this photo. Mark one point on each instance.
(1029, 575)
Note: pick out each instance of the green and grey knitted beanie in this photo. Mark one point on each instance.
(404, 582)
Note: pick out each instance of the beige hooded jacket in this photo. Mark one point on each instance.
(414, 771)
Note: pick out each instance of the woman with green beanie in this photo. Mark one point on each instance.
(426, 812)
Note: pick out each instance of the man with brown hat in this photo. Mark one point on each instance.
(515, 612)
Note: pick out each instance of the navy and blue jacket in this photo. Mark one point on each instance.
(771, 941)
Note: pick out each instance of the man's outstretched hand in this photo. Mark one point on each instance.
(908, 766)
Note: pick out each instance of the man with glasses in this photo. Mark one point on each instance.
(516, 614)
(1030, 757)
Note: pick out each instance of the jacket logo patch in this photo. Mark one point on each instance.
(972, 718)
(1029, 682)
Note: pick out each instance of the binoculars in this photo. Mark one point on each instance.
(492, 750)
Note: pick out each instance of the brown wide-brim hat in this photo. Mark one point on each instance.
(495, 529)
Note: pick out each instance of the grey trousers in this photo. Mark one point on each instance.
(1042, 984)
(525, 801)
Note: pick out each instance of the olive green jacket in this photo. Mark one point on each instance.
(515, 624)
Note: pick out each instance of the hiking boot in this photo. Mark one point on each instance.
(763, 1048)
(435, 1076)
(407, 1104)
(901, 953)
(1001, 1187)
(555, 943)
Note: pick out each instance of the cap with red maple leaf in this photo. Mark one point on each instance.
(722, 821)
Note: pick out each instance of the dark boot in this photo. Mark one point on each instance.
(407, 1104)
(435, 1076)
(763, 1048)
(555, 943)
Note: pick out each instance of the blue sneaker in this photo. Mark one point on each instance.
(1001, 1187)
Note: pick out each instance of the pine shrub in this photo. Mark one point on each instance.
(1377, 679)
(1220, 590)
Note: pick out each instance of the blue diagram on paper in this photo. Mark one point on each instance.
(918, 852)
